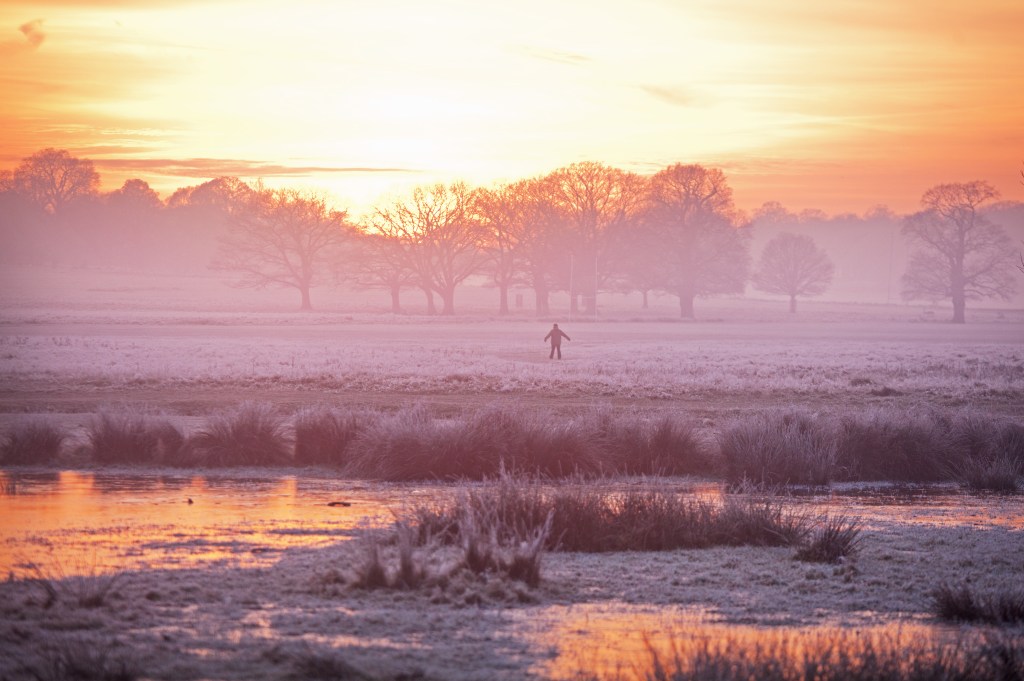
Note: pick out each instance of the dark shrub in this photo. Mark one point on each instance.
(836, 654)
(634, 445)
(133, 436)
(595, 518)
(323, 435)
(838, 537)
(990, 452)
(254, 434)
(780, 447)
(32, 441)
(961, 604)
(903, 445)
(67, 657)
(413, 445)
(1000, 474)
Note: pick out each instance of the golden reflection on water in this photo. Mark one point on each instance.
(622, 646)
(123, 520)
(98, 522)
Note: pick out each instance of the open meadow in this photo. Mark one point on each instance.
(199, 482)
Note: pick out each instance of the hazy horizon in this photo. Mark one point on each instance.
(837, 108)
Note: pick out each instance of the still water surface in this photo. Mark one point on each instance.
(100, 521)
(86, 521)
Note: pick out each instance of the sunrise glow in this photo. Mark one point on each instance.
(840, 106)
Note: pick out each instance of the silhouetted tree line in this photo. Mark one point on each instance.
(582, 229)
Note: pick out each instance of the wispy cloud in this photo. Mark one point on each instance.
(676, 96)
(219, 167)
(34, 37)
(558, 56)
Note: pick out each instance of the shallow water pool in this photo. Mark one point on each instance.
(86, 522)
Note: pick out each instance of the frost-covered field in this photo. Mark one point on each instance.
(261, 601)
(266, 598)
(159, 339)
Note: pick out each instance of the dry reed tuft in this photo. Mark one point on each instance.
(130, 435)
(633, 445)
(413, 445)
(31, 441)
(837, 655)
(82, 585)
(595, 518)
(836, 538)
(779, 447)
(253, 434)
(999, 474)
(910, 445)
(80, 658)
(962, 604)
(323, 434)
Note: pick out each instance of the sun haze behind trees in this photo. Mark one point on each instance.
(581, 230)
(793, 265)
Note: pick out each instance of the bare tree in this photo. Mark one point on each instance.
(502, 212)
(592, 201)
(792, 265)
(52, 178)
(280, 238)
(699, 233)
(378, 262)
(519, 228)
(960, 254)
(439, 236)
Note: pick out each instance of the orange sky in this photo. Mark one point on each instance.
(840, 106)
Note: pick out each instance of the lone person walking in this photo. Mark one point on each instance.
(556, 335)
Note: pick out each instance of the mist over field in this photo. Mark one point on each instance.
(475, 341)
(243, 436)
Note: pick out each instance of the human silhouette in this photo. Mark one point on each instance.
(556, 335)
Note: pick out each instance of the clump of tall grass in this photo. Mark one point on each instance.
(836, 655)
(594, 518)
(74, 657)
(312, 664)
(991, 452)
(84, 586)
(836, 538)
(1000, 474)
(130, 435)
(412, 445)
(669, 445)
(979, 435)
(658, 520)
(779, 447)
(962, 604)
(31, 441)
(484, 545)
(253, 434)
(323, 434)
(911, 445)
